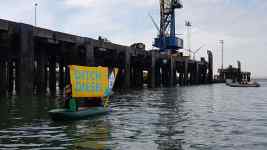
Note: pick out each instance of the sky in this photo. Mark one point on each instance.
(240, 23)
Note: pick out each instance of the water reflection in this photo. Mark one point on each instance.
(197, 117)
(170, 130)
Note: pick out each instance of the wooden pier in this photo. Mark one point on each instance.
(33, 61)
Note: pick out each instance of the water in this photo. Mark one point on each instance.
(188, 118)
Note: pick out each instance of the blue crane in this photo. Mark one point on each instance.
(167, 39)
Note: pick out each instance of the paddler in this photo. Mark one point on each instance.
(70, 103)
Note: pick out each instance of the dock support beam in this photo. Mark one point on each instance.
(26, 61)
(173, 79)
(52, 76)
(186, 73)
(136, 75)
(197, 73)
(61, 76)
(154, 70)
(10, 77)
(140, 76)
(165, 72)
(127, 82)
(2, 78)
(41, 70)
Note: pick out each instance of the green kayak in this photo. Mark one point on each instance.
(66, 114)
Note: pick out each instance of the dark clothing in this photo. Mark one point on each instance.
(90, 102)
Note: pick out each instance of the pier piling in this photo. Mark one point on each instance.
(26, 61)
(2, 78)
(52, 76)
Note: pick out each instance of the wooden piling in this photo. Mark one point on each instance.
(26, 60)
(197, 73)
(17, 73)
(181, 79)
(127, 81)
(136, 75)
(173, 77)
(41, 70)
(10, 77)
(180, 70)
(185, 73)
(154, 70)
(2, 78)
(166, 72)
(52, 76)
(139, 76)
(46, 77)
(61, 77)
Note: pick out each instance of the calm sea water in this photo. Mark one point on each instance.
(188, 118)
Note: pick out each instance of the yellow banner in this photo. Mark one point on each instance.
(89, 81)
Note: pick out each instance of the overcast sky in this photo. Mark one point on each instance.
(240, 23)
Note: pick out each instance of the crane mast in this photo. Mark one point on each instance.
(167, 39)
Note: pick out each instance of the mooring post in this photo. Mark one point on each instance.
(26, 60)
(90, 58)
(127, 81)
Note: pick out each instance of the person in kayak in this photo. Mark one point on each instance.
(80, 103)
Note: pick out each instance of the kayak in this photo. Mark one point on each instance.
(66, 114)
(87, 93)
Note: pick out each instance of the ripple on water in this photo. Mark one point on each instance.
(185, 118)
